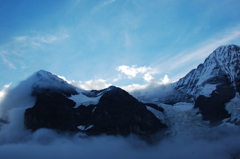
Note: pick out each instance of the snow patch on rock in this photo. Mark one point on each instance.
(81, 99)
(208, 89)
(233, 107)
(82, 127)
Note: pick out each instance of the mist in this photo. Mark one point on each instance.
(46, 143)
(184, 139)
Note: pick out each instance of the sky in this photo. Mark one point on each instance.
(99, 43)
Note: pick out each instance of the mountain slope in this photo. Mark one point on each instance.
(114, 111)
(221, 66)
(214, 83)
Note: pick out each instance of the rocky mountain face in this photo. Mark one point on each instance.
(116, 112)
(214, 83)
(220, 67)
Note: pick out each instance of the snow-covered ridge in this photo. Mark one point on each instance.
(220, 67)
(223, 62)
(45, 80)
(233, 107)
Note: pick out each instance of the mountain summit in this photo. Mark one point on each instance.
(221, 66)
(213, 83)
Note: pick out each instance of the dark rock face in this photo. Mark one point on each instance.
(2, 122)
(154, 106)
(52, 111)
(116, 113)
(120, 113)
(213, 108)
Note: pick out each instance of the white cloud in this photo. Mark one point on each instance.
(37, 40)
(4, 90)
(96, 84)
(20, 38)
(7, 62)
(190, 58)
(50, 38)
(150, 86)
(148, 77)
(91, 84)
(133, 87)
(205, 49)
(165, 80)
(108, 2)
(132, 71)
(13, 52)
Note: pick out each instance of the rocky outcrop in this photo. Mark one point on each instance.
(53, 111)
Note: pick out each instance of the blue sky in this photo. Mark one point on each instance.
(120, 42)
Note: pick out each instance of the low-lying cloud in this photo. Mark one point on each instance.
(48, 144)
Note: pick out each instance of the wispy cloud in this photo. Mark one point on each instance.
(39, 39)
(20, 38)
(50, 38)
(12, 52)
(209, 46)
(108, 2)
(199, 52)
(7, 62)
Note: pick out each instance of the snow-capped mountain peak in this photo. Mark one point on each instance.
(44, 80)
(47, 77)
(220, 66)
